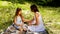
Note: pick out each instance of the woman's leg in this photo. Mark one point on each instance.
(25, 27)
(43, 32)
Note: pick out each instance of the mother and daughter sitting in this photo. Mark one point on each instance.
(34, 25)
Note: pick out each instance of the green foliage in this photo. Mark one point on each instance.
(49, 14)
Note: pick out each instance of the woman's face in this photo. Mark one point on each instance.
(32, 10)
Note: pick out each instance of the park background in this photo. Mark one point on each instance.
(49, 9)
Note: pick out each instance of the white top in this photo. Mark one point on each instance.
(18, 20)
(39, 27)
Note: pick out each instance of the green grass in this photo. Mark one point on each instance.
(49, 14)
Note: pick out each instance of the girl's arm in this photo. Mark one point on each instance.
(15, 22)
(23, 20)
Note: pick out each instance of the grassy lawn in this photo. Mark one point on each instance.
(51, 15)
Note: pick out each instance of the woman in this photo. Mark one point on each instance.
(36, 25)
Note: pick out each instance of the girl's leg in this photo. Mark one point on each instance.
(21, 30)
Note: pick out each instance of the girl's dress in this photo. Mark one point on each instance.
(18, 21)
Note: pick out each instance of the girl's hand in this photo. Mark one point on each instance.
(17, 24)
(21, 25)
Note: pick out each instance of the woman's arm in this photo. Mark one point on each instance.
(37, 19)
(26, 20)
(29, 21)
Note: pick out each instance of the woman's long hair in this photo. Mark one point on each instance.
(34, 8)
(17, 11)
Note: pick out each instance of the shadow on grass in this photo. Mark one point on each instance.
(5, 25)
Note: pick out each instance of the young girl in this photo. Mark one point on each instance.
(18, 20)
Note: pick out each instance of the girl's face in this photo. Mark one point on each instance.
(20, 12)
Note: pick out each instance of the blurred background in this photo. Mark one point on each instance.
(49, 9)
